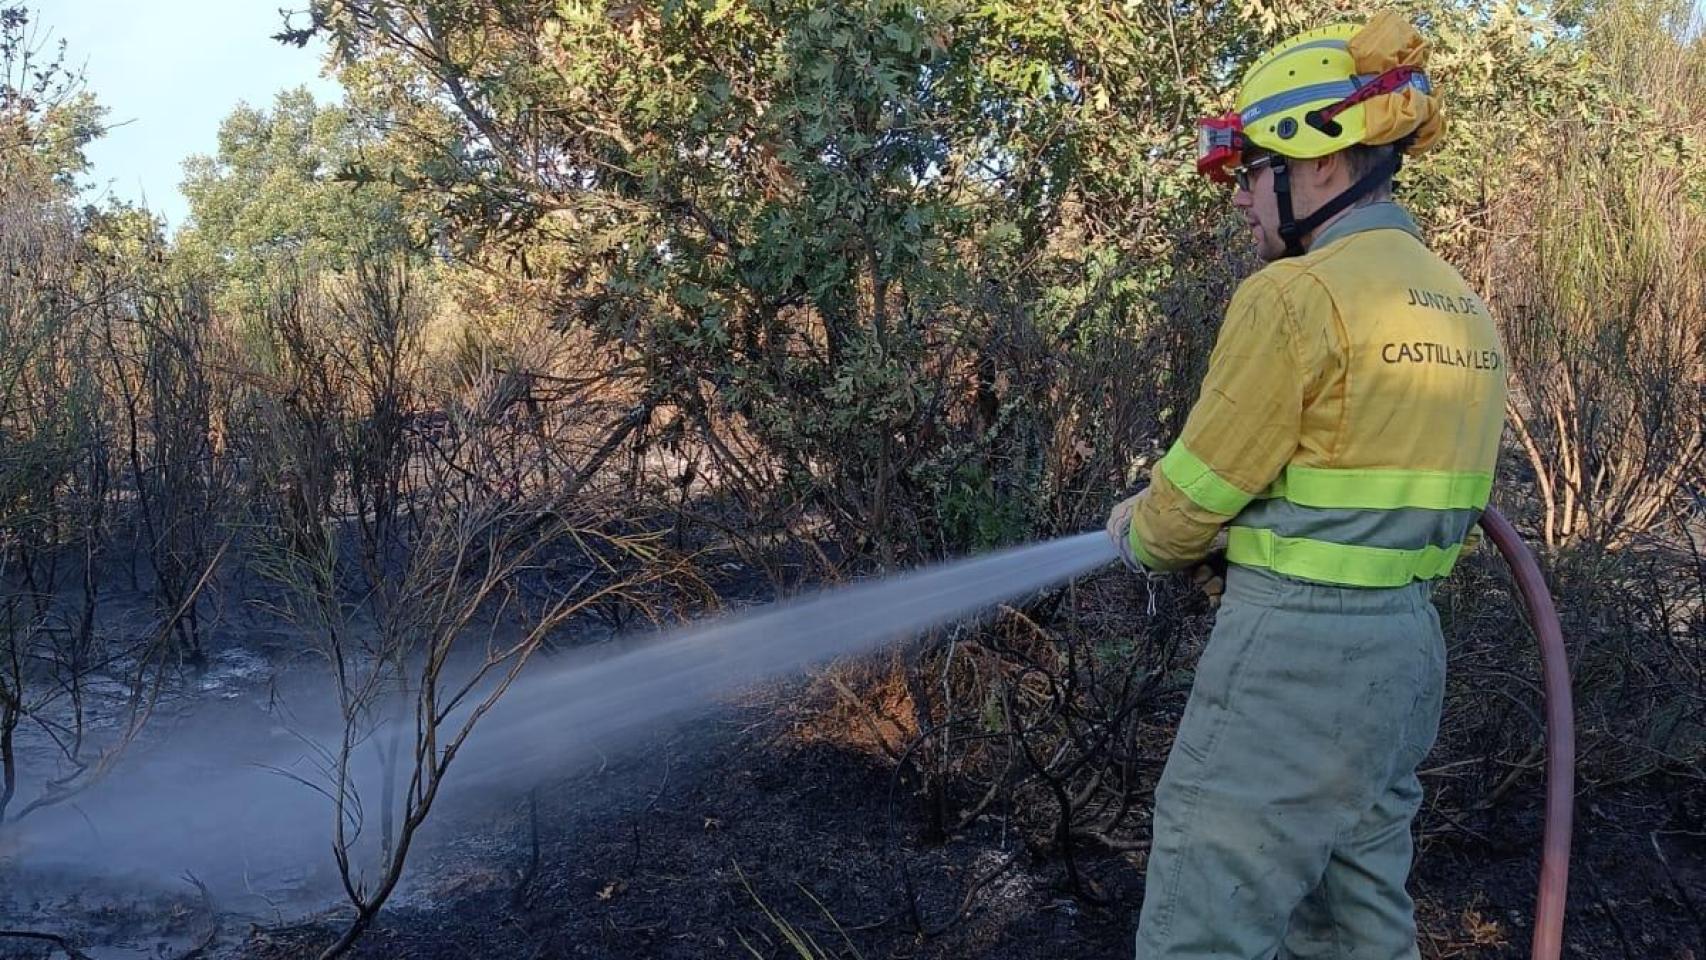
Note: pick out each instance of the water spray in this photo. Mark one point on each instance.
(678, 674)
(594, 699)
(578, 704)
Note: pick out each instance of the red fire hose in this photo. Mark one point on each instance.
(1560, 736)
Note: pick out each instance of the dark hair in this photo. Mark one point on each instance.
(1364, 158)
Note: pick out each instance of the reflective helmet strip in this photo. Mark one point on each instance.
(1333, 91)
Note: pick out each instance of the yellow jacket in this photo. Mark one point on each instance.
(1349, 423)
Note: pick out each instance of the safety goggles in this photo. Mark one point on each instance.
(1245, 172)
(1222, 148)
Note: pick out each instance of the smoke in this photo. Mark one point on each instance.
(226, 790)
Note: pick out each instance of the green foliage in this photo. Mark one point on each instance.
(1603, 294)
(46, 118)
(975, 513)
(47, 388)
(800, 942)
(279, 196)
(878, 254)
(919, 277)
(808, 221)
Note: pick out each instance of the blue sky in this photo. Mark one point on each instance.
(173, 69)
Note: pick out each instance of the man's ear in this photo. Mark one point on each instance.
(1326, 171)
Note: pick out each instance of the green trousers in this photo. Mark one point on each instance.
(1282, 819)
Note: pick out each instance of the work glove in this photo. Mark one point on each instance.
(1210, 574)
(1119, 529)
(1472, 540)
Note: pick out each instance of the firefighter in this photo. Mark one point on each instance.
(1343, 445)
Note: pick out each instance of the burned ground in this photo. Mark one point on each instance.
(779, 815)
(680, 851)
(726, 834)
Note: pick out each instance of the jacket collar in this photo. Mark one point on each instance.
(1383, 215)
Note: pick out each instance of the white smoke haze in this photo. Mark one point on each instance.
(229, 789)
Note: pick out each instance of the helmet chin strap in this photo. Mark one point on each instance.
(1293, 230)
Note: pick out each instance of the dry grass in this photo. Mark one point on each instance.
(1598, 272)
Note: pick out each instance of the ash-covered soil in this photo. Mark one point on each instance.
(720, 838)
(753, 830)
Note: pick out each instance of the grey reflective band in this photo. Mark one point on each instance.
(1404, 528)
(1316, 45)
(1334, 91)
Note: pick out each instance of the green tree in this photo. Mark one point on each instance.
(803, 223)
(886, 246)
(278, 196)
(53, 461)
(46, 117)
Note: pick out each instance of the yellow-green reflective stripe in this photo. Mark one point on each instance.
(1202, 485)
(1340, 563)
(1382, 489)
(1139, 550)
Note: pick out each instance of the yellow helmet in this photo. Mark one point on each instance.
(1323, 91)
